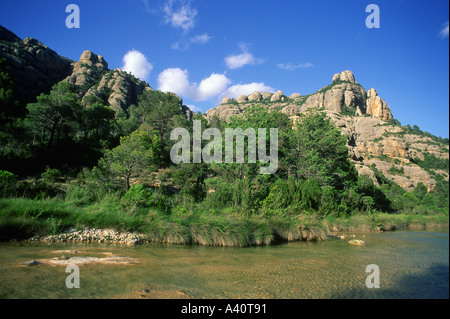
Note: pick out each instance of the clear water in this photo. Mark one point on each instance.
(413, 264)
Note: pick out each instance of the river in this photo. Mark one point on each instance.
(412, 264)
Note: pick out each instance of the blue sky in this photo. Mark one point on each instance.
(207, 49)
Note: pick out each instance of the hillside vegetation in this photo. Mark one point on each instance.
(91, 153)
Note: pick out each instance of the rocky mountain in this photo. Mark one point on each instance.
(343, 94)
(376, 142)
(35, 68)
(115, 88)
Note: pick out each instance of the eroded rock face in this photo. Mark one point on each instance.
(87, 70)
(374, 142)
(376, 107)
(346, 76)
(343, 93)
(255, 97)
(118, 89)
(278, 96)
(34, 67)
(114, 87)
(242, 99)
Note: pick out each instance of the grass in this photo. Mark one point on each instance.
(24, 218)
(385, 222)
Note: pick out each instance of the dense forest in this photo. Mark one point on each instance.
(66, 165)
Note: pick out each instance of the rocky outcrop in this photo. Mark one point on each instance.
(255, 97)
(376, 107)
(242, 99)
(372, 141)
(87, 70)
(34, 67)
(278, 96)
(344, 94)
(344, 76)
(115, 88)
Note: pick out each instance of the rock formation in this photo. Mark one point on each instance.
(35, 68)
(363, 117)
(374, 142)
(344, 76)
(343, 94)
(114, 87)
(376, 106)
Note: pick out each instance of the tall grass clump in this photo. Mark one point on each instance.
(29, 217)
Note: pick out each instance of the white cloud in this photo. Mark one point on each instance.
(216, 86)
(292, 67)
(179, 46)
(444, 31)
(240, 60)
(198, 39)
(239, 89)
(180, 14)
(147, 6)
(174, 80)
(212, 86)
(177, 81)
(136, 63)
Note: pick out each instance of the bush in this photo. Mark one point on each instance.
(8, 184)
(51, 175)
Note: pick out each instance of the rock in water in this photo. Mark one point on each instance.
(357, 242)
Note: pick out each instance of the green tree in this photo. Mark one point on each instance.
(317, 151)
(11, 114)
(55, 116)
(9, 107)
(139, 151)
(7, 183)
(162, 112)
(97, 123)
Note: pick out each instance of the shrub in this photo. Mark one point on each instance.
(51, 175)
(8, 184)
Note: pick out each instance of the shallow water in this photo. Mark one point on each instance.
(413, 264)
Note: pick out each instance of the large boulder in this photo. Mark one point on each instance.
(278, 96)
(255, 97)
(345, 76)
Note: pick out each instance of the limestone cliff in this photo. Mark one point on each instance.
(344, 94)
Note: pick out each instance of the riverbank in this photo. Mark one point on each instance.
(53, 220)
